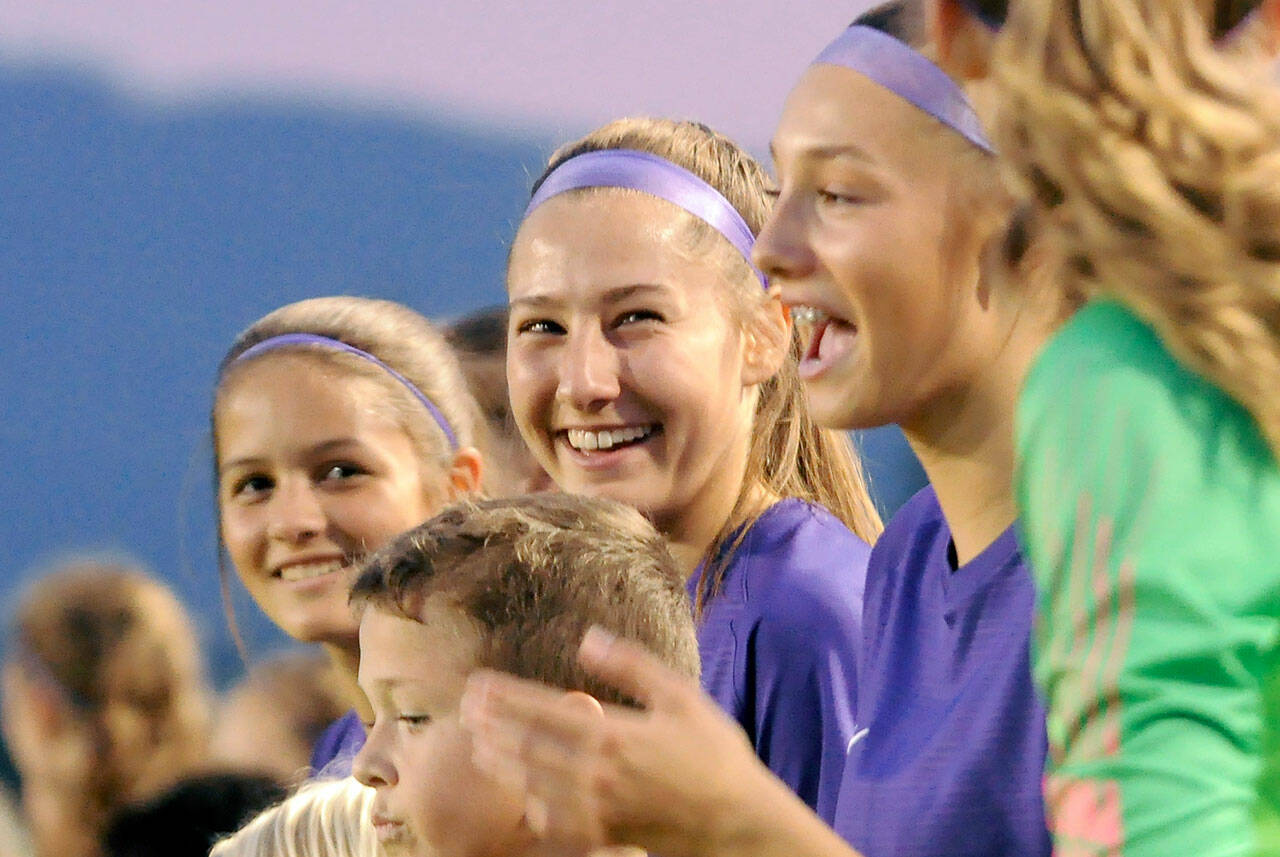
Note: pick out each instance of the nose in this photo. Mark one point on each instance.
(371, 765)
(295, 513)
(782, 249)
(588, 369)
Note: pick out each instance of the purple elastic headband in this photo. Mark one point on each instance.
(627, 168)
(287, 339)
(908, 74)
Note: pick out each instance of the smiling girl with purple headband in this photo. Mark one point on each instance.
(881, 237)
(648, 363)
(338, 423)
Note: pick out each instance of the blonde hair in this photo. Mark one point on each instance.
(396, 335)
(1154, 157)
(391, 332)
(329, 818)
(120, 652)
(790, 455)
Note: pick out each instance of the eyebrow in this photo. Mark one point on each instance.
(618, 293)
(319, 449)
(828, 152)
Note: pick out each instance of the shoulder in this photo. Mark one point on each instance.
(1106, 370)
(1105, 395)
(912, 533)
(800, 567)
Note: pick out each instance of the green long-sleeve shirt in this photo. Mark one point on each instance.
(1151, 512)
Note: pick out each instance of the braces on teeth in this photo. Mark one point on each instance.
(807, 315)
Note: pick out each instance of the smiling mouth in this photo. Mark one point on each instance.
(827, 339)
(605, 440)
(308, 570)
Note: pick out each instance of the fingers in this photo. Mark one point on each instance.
(631, 669)
(543, 743)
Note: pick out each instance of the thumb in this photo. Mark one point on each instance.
(630, 668)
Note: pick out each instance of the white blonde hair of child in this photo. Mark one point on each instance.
(329, 818)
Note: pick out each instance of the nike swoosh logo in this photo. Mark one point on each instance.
(857, 736)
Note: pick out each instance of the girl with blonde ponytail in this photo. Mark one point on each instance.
(1145, 135)
(650, 363)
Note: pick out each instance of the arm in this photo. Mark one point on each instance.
(1139, 541)
(677, 778)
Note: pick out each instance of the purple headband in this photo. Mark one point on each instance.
(627, 168)
(908, 74)
(286, 339)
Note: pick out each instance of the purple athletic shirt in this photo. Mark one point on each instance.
(779, 644)
(953, 752)
(337, 746)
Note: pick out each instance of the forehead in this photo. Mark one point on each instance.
(604, 238)
(303, 392)
(440, 650)
(833, 108)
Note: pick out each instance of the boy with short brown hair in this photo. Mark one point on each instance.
(510, 585)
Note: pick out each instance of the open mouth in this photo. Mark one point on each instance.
(606, 440)
(310, 570)
(827, 339)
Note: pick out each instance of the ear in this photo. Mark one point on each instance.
(465, 472)
(963, 43)
(768, 336)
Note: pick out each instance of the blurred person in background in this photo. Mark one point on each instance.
(104, 700)
(480, 341)
(270, 721)
(186, 819)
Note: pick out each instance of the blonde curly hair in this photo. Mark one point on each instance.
(1154, 155)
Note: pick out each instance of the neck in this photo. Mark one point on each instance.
(964, 440)
(345, 660)
(691, 530)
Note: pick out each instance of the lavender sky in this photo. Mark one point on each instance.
(552, 67)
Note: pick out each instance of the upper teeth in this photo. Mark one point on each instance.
(606, 439)
(305, 570)
(808, 315)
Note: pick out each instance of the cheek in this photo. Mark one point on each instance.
(241, 535)
(455, 803)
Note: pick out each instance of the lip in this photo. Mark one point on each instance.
(387, 829)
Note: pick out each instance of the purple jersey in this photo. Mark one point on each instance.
(337, 746)
(779, 644)
(951, 747)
